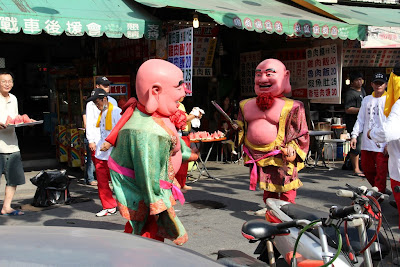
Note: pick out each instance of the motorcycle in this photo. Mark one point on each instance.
(307, 237)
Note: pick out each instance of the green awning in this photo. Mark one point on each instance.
(114, 18)
(370, 16)
(267, 16)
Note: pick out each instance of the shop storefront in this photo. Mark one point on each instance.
(312, 47)
(252, 31)
(319, 43)
(55, 52)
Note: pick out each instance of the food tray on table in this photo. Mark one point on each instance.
(207, 140)
(24, 124)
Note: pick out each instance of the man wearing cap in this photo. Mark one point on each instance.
(92, 114)
(352, 103)
(389, 131)
(107, 119)
(374, 157)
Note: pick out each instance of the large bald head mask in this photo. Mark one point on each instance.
(272, 77)
(159, 86)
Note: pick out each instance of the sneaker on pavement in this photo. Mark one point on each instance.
(94, 183)
(106, 212)
(112, 211)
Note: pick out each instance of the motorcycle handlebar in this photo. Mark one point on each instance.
(356, 192)
(378, 195)
(339, 213)
(345, 193)
(361, 190)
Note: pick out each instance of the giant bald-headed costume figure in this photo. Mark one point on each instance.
(274, 132)
(148, 152)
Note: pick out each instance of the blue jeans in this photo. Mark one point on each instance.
(89, 170)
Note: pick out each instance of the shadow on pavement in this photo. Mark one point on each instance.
(85, 223)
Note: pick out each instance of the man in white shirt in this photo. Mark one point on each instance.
(106, 121)
(374, 157)
(10, 157)
(92, 114)
(389, 132)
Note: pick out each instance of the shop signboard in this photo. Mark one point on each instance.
(356, 57)
(323, 74)
(204, 49)
(248, 63)
(114, 18)
(382, 37)
(271, 16)
(180, 52)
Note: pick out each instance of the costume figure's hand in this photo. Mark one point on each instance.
(289, 153)
(2, 126)
(92, 147)
(353, 143)
(105, 146)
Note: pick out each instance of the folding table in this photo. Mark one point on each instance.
(200, 163)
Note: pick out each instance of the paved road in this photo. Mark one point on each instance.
(213, 215)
